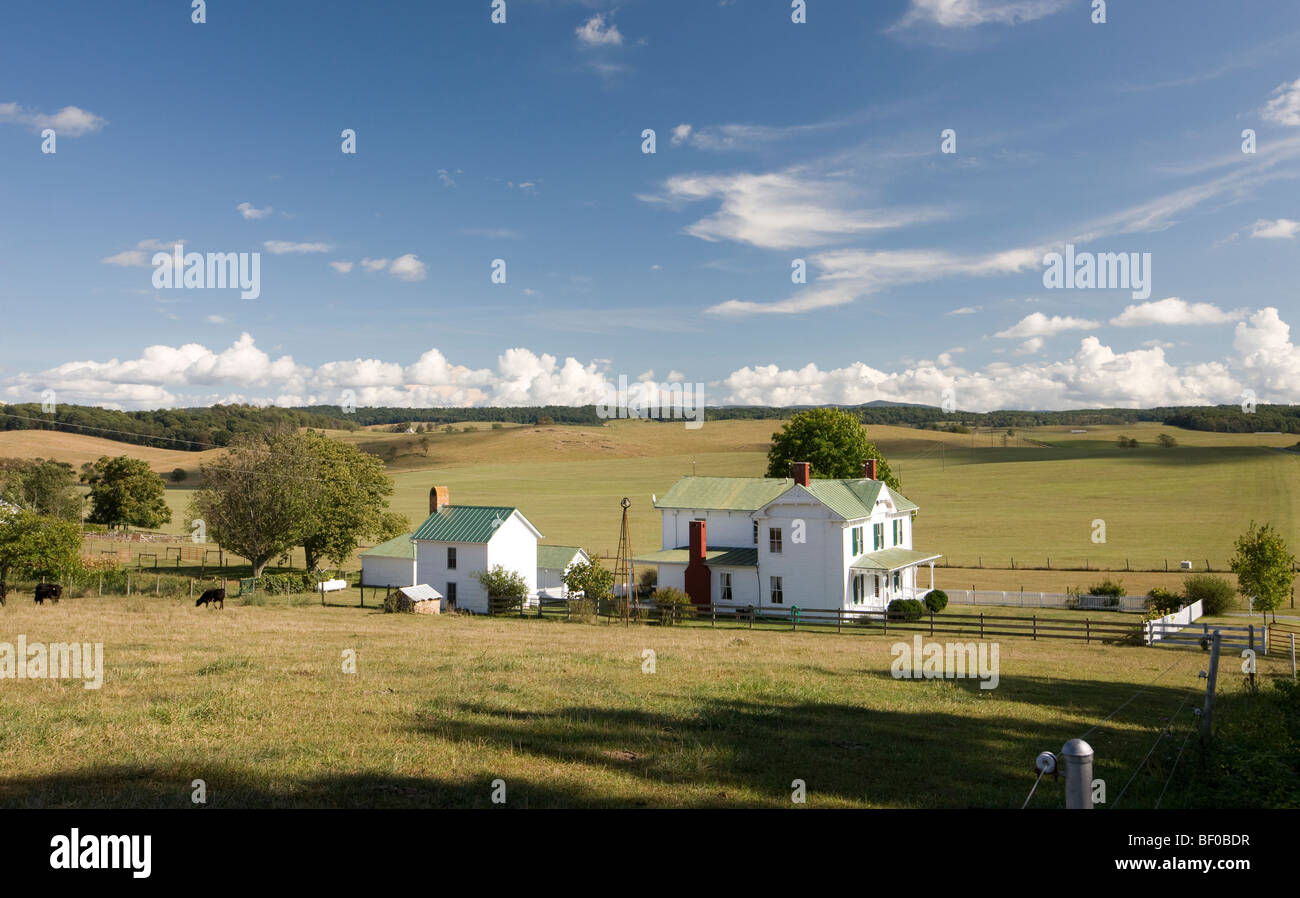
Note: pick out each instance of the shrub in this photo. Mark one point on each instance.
(1107, 587)
(905, 609)
(1162, 601)
(1215, 594)
(286, 583)
(936, 600)
(672, 604)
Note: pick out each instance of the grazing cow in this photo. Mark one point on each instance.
(212, 597)
(51, 591)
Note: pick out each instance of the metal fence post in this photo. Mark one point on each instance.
(1077, 756)
(1207, 713)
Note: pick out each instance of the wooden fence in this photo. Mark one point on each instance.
(979, 626)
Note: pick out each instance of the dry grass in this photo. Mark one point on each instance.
(254, 701)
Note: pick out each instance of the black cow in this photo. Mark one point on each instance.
(212, 597)
(51, 591)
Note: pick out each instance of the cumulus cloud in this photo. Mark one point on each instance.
(407, 268)
(1173, 311)
(1283, 107)
(1264, 359)
(374, 264)
(969, 13)
(1037, 324)
(1278, 229)
(595, 33)
(251, 212)
(342, 267)
(70, 121)
(681, 134)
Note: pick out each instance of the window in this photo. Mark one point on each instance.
(451, 595)
(857, 590)
(724, 586)
(876, 579)
(774, 540)
(878, 536)
(778, 597)
(898, 532)
(451, 558)
(756, 533)
(857, 541)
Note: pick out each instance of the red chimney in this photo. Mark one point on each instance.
(869, 469)
(802, 471)
(439, 498)
(699, 584)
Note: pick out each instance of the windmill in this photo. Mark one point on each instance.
(624, 574)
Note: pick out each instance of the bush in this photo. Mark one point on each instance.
(285, 584)
(1162, 601)
(672, 604)
(1215, 594)
(1107, 587)
(936, 600)
(905, 610)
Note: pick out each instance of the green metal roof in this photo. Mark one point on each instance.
(397, 547)
(463, 523)
(729, 493)
(556, 557)
(891, 559)
(848, 498)
(725, 556)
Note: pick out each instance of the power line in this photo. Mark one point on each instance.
(1159, 735)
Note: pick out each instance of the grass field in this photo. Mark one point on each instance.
(254, 701)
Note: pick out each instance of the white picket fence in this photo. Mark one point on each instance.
(1044, 600)
(1172, 624)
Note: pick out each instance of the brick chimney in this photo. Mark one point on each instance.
(801, 471)
(699, 583)
(869, 469)
(439, 498)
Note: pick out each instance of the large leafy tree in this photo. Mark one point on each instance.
(832, 440)
(125, 492)
(44, 487)
(255, 498)
(1264, 566)
(347, 500)
(34, 545)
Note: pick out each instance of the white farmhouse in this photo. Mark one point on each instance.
(457, 541)
(775, 543)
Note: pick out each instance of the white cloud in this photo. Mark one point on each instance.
(1173, 311)
(1272, 361)
(407, 268)
(779, 210)
(142, 255)
(252, 213)
(969, 13)
(595, 33)
(1279, 229)
(282, 247)
(215, 319)
(1283, 107)
(965, 310)
(342, 267)
(69, 121)
(681, 134)
(1030, 346)
(445, 178)
(374, 264)
(1037, 324)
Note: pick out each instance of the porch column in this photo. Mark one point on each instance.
(932, 575)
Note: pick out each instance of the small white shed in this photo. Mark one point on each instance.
(552, 563)
(390, 564)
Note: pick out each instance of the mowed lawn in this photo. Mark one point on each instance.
(254, 701)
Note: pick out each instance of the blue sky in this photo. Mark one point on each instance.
(775, 141)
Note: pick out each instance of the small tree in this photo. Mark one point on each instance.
(833, 441)
(1166, 441)
(33, 545)
(506, 589)
(178, 475)
(589, 579)
(1264, 566)
(1214, 593)
(124, 491)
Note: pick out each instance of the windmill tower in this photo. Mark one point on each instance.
(624, 574)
